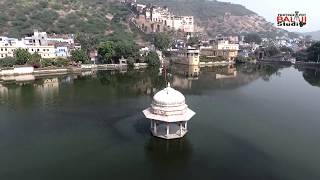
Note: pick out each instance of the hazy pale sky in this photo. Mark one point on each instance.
(270, 8)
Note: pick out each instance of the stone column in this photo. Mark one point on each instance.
(168, 130)
(151, 124)
(155, 127)
(186, 125)
(180, 129)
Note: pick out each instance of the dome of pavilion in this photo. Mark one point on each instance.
(168, 114)
(168, 97)
(169, 105)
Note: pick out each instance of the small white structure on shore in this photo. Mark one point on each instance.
(168, 114)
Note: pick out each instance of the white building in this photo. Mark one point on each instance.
(168, 114)
(163, 16)
(62, 51)
(37, 43)
(7, 50)
(226, 45)
(184, 23)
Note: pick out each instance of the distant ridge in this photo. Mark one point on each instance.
(314, 34)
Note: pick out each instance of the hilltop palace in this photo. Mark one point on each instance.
(158, 19)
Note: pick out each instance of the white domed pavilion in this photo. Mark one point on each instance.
(168, 114)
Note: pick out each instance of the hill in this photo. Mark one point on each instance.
(217, 17)
(105, 17)
(202, 9)
(101, 17)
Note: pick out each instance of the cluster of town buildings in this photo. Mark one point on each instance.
(231, 47)
(158, 19)
(224, 47)
(47, 46)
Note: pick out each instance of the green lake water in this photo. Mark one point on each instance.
(252, 122)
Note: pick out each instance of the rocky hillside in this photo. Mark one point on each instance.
(103, 17)
(20, 17)
(217, 17)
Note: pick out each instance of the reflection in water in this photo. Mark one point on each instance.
(137, 82)
(312, 76)
(230, 73)
(168, 155)
(49, 88)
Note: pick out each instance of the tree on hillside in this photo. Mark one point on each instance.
(106, 52)
(88, 42)
(22, 56)
(125, 49)
(252, 38)
(152, 59)
(314, 52)
(79, 56)
(162, 41)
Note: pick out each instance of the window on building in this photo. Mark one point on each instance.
(5, 49)
(38, 50)
(1, 49)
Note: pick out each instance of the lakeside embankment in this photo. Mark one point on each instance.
(27, 73)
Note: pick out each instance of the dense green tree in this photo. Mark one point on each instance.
(301, 55)
(193, 41)
(286, 49)
(125, 49)
(7, 62)
(79, 55)
(314, 52)
(106, 52)
(22, 56)
(61, 62)
(131, 62)
(252, 38)
(162, 41)
(34, 60)
(272, 51)
(47, 62)
(88, 42)
(152, 59)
